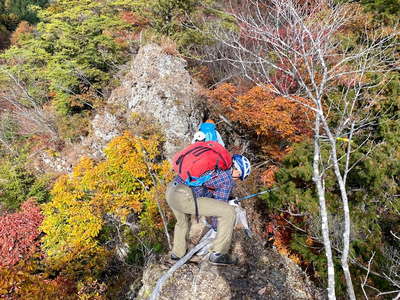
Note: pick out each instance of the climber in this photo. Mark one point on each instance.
(207, 198)
(208, 132)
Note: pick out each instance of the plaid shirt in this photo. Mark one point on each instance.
(219, 187)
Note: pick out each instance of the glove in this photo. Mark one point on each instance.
(234, 202)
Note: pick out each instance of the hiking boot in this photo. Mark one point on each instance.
(194, 259)
(174, 257)
(219, 259)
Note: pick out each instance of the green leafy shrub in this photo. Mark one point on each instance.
(21, 9)
(386, 10)
(18, 184)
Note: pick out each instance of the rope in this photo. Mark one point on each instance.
(203, 243)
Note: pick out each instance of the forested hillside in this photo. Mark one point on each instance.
(309, 90)
(14, 13)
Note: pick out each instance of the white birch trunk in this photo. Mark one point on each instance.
(323, 211)
(305, 48)
(346, 211)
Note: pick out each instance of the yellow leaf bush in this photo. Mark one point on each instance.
(126, 182)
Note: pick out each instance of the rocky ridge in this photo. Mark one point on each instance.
(158, 86)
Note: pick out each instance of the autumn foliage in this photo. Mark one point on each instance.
(123, 184)
(23, 28)
(21, 282)
(21, 273)
(281, 233)
(19, 233)
(277, 121)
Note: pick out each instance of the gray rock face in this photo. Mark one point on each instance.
(105, 126)
(53, 164)
(159, 86)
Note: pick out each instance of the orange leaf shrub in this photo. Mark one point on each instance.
(23, 28)
(268, 177)
(282, 236)
(277, 121)
(134, 19)
(21, 282)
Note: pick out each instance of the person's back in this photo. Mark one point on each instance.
(196, 159)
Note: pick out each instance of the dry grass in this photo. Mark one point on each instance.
(169, 46)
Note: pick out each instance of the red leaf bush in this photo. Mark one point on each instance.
(19, 233)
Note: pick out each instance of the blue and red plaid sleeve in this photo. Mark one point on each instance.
(221, 184)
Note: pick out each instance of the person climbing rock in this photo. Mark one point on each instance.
(208, 132)
(201, 194)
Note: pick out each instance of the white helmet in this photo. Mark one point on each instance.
(242, 164)
(199, 136)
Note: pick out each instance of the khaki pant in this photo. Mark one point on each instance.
(180, 199)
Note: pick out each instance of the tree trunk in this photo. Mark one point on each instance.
(323, 211)
(346, 210)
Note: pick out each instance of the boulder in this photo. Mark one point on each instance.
(105, 126)
(155, 85)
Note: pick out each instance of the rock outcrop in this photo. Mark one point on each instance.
(158, 85)
(104, 127)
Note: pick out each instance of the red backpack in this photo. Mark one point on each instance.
(198, 158)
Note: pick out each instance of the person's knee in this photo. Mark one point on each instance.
(182, 223)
